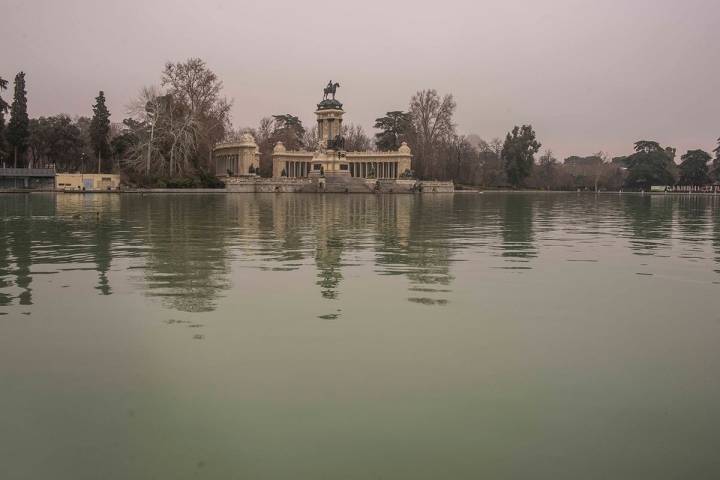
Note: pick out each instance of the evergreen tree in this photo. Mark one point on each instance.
(694, 168)
(289, 130)
(650, 165)
(394, 127)
(18, 130)
(100, 128)
(518, 154)
(4, 107)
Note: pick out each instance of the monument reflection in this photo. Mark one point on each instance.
(184, 250)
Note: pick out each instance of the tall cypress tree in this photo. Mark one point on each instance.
(18, 130)
(100, 128)
(4, 107)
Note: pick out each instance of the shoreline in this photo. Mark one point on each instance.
(220, 191)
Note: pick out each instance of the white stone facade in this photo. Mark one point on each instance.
(237, 158)
(330, 159)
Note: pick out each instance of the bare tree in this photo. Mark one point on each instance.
(168, 144)
(310, 138)
(178, 128)
(432, 121)
(146, 109)
(193, 84)
(198, 88)
(489, 170)
(356, 140)
(545, 175)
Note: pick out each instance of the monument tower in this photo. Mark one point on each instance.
(346, 167)
(330, 158)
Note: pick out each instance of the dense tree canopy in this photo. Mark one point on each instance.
(650, 165)
(518, 154)
(694, 168)
(56, 140)
(289, 130)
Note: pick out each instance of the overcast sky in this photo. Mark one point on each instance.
(589, 75)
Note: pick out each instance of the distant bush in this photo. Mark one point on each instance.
(198, 180)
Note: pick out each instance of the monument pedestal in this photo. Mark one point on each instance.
(330, 163)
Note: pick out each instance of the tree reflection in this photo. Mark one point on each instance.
(692, 212)
(186, 260)
(414, 238)
(716, 232)
(649, 221)
(16, 248)
(517, 228)
(181, 248)
(331, 226)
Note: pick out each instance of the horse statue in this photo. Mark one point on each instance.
(330, 90)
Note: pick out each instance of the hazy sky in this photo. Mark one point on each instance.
(588, 74)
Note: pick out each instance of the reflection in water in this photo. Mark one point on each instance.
(186, 253)
(196, 336)
(182, 249)
(715, 232)
(692, 224)
(517, 229)
(649, 221)
(103, 256)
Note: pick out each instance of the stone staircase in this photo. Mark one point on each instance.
(346, 184)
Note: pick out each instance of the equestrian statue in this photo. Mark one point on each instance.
(330, 90)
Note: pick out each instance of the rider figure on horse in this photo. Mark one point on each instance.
(330, 90)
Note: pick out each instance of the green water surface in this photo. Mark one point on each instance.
(466, 336)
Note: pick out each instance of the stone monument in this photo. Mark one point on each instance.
(330, 158)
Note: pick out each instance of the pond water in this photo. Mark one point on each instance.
(513, 336)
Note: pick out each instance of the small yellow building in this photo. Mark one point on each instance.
(87, 181)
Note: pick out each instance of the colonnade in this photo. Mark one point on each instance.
(357, 169)
(381, 169)
(228, 162)
(297, 169)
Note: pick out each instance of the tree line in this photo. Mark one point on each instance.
(440, 152)
(172, 128)
(167, 139)
(57, 140)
